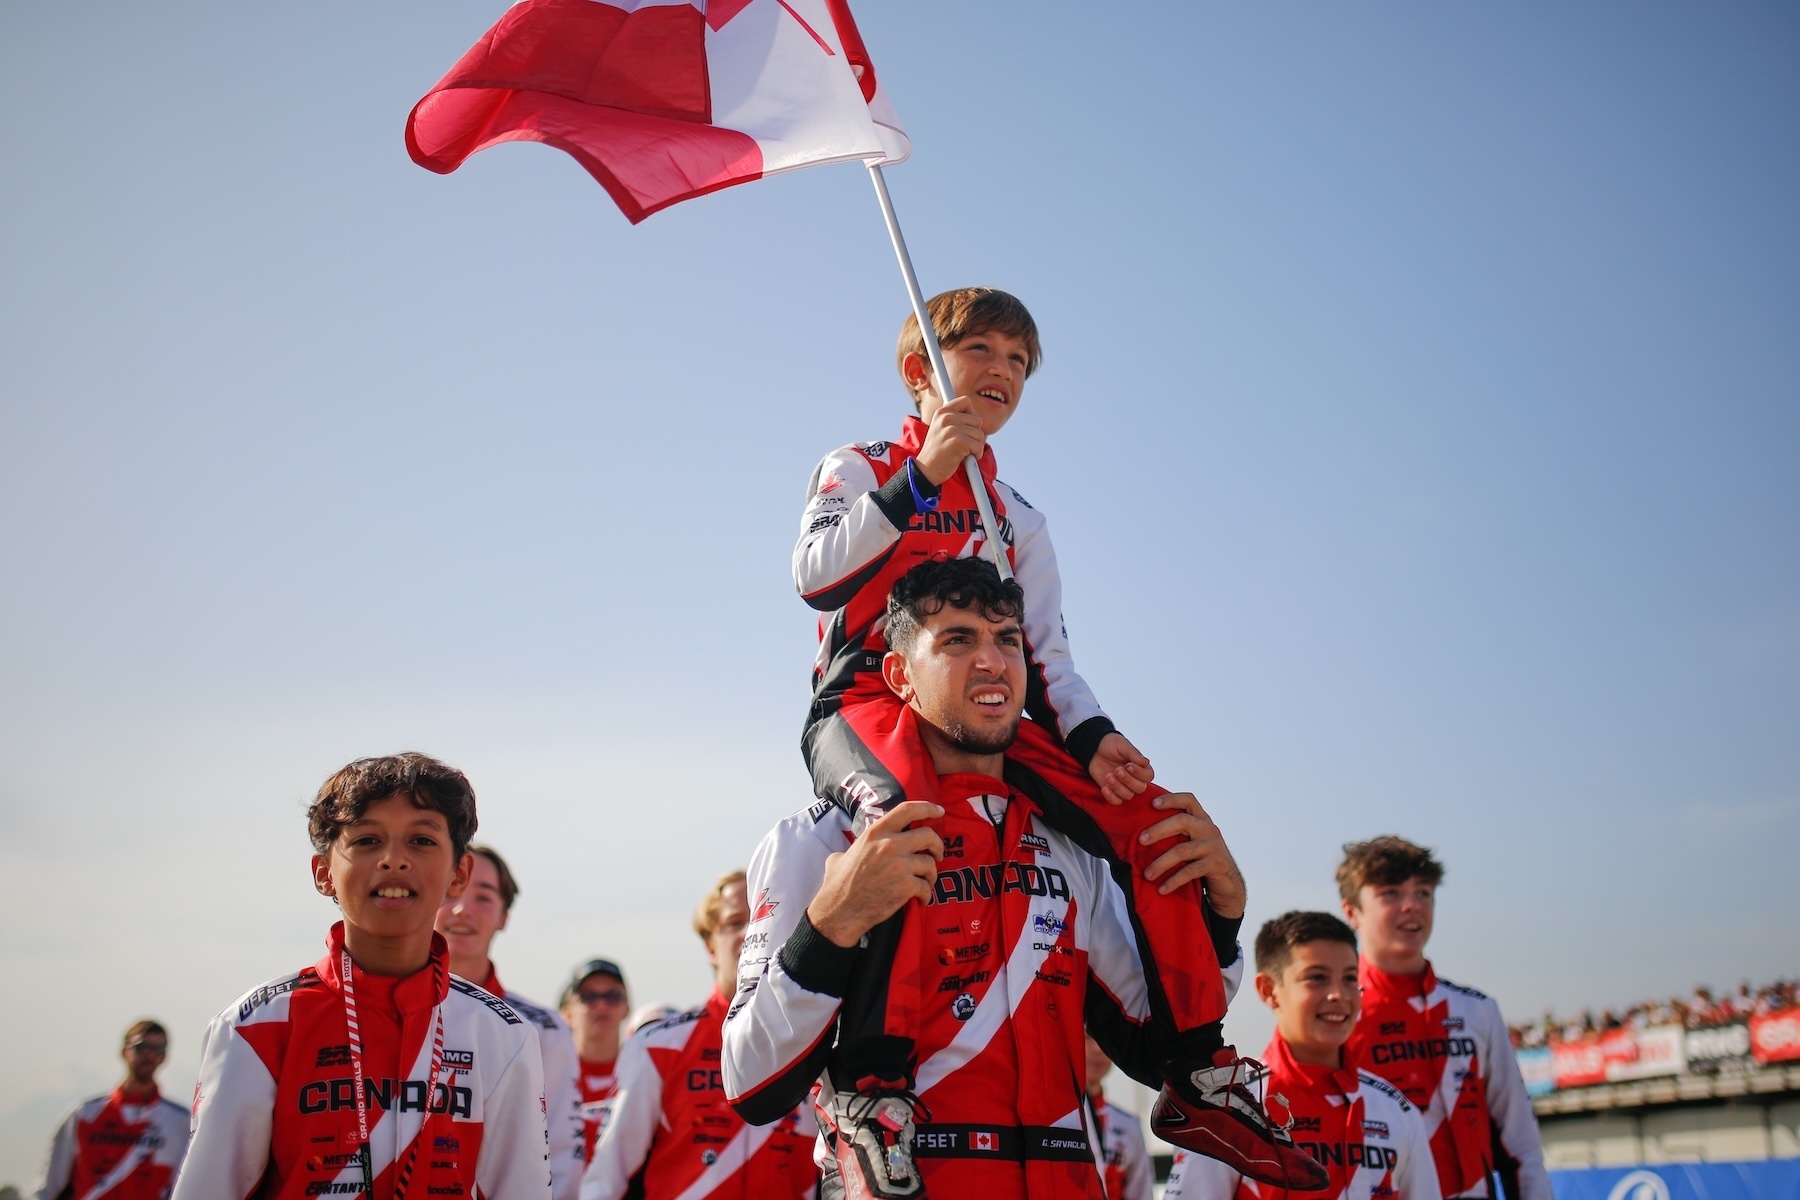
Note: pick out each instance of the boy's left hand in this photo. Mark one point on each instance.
(1119, 770)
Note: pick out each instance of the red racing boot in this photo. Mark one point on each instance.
(1213, 1112)
(871, 1136)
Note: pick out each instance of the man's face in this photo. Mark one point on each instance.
(1097, 1063)
(143, 1056)
(470, 921)
(990, 366)
(1394, 922)
(391, 870)
(596, 1008)
(727, 939)
(1316, 999)
(964, 676)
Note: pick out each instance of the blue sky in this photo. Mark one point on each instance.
(1418, 430)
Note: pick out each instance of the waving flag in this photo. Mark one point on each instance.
(662, 100)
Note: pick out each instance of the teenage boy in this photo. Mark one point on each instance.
(1024, 937)
(1125, 1166)
(874, 511)
(126, 1145)
(594, 1002)
(374, 1072)
(469, 923)
(1446, 1046)
(668, 1130)
(1359, 1126)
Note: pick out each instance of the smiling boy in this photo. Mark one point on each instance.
(374, 1072)
(1356, 1124)
(876, 510)
(1446, 1046)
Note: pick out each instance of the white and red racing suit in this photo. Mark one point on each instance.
(117, 1147)
(562, 1099)
(597, 1081)
(1026, 939)
(1358, 1126)
(1125, 1166)
(668, 1129)
(861, 531)
(275, 1111)
(1446, 1046)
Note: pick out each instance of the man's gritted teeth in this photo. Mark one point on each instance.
(990, 695)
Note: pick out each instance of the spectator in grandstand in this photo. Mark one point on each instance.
(469, 923)
(1125, 1169)
(127, 1144)
(1388, 888)
(667, 1130)
(1358, 1125)
(594, 1002)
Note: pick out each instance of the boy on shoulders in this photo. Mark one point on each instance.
(374, 1072)
(1446, 1046)
(1358, 1126)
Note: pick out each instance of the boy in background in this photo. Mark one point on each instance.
(374, 1072)
(1445, 1045)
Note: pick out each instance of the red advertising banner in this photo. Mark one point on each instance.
(1775, 1037)
(1579, 1064)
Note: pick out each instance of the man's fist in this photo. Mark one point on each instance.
(883, 869)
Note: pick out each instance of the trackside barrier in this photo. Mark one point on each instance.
(1777, 1179)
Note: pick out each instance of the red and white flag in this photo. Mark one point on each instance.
(662, 100)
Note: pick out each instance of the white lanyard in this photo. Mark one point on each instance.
(404, 1176)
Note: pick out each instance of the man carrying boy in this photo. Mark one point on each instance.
(668, 1131)
(469, 923)
(1359, 1126)
(594, 1003)
(374, 1072)
(1023, 937)
(876, 510)
(127, 1145)
(1446, 1046)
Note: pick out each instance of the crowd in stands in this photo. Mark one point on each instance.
(1701, 1009)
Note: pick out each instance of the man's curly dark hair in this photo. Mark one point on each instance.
(956, 582)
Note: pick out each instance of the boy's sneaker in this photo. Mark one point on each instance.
(871, 1136)
(1212, 1111)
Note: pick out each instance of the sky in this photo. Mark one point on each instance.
(1418, 429)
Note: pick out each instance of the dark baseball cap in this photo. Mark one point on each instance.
(593, 966)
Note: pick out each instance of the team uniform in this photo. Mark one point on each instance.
(862, 529)
(562, 1099)
(668, 1131)
(1124, 1159)
(276, 1110)
(596, 1081)
(1446, 1047)
(1357, 1125)
(1026, 939)
(118, 1148)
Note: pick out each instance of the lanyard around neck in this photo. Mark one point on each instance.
(364, 1158)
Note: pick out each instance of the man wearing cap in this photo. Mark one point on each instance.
(594, 1002)
(469, 922)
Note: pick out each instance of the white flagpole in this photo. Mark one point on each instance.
(938, 371)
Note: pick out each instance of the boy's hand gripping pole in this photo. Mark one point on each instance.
(939, 373)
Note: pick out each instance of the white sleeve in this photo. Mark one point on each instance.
(1140, 1173)
(1510, 1106)
(627, 1124)
(234, 1106)
(779, 1029)
(844, 530)
(1416, 1174)
(61, 1167)
(562, 1109)
(514, 1158)
(1196, 1177)
(1071, 700)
